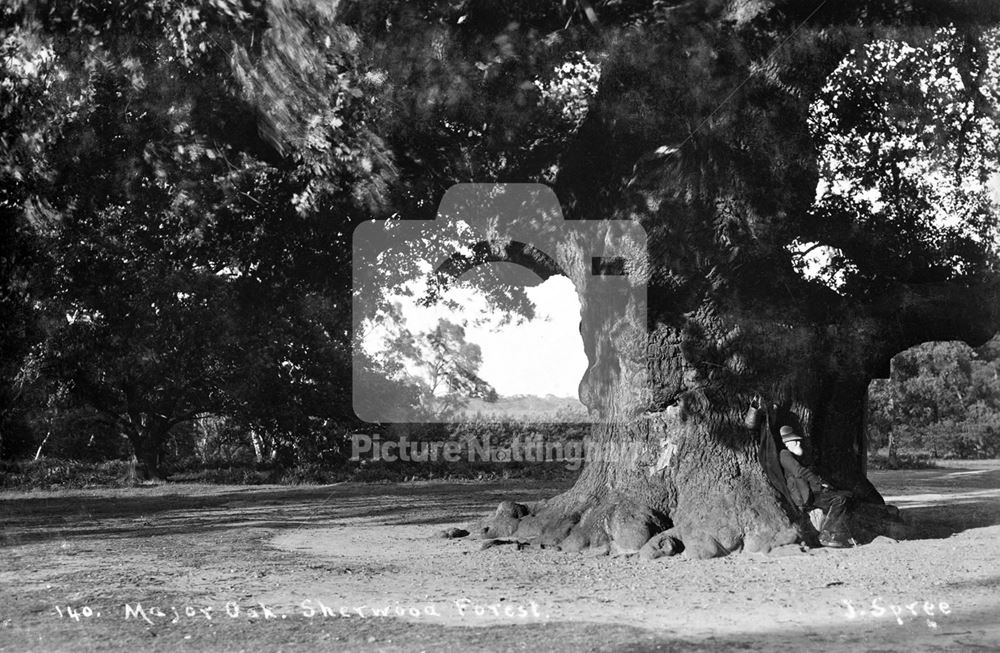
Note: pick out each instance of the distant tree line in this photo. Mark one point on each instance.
(942, 398)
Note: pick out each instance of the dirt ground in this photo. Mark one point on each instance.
(357, 568)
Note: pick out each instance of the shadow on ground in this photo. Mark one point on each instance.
(188, 509)
(945, 501)
(938, 502)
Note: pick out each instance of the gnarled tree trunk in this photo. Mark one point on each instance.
(672, 452)
(723, 178)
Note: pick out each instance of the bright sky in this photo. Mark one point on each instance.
(537, 357)
(541, 356)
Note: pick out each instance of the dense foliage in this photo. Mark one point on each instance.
(943, 399)
(179, 182)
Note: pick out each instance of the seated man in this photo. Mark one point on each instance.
(810, 491)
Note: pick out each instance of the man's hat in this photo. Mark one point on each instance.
(788, 434)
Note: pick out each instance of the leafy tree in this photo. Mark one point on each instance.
(114, 166)
(940, 397)
(444, 365)
(713, 128)
(190, 262)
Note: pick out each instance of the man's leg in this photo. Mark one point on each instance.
(834, 503)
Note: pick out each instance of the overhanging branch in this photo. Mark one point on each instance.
(917, 313)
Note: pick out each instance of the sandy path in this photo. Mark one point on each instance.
(363, 551)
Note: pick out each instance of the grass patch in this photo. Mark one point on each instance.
(47, 473)
(901, 461)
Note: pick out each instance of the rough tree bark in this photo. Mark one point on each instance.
(672, 453)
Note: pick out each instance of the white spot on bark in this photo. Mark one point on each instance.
(667, 450)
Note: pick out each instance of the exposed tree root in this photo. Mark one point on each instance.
(617, 527)
(667, 484)
(620, 526)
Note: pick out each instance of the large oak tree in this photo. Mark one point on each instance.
(813, 179)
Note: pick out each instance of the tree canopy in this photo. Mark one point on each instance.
(180, 181)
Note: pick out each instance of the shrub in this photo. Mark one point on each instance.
(921, 460)
(57, 472)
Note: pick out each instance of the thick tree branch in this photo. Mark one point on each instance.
(917, 313)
